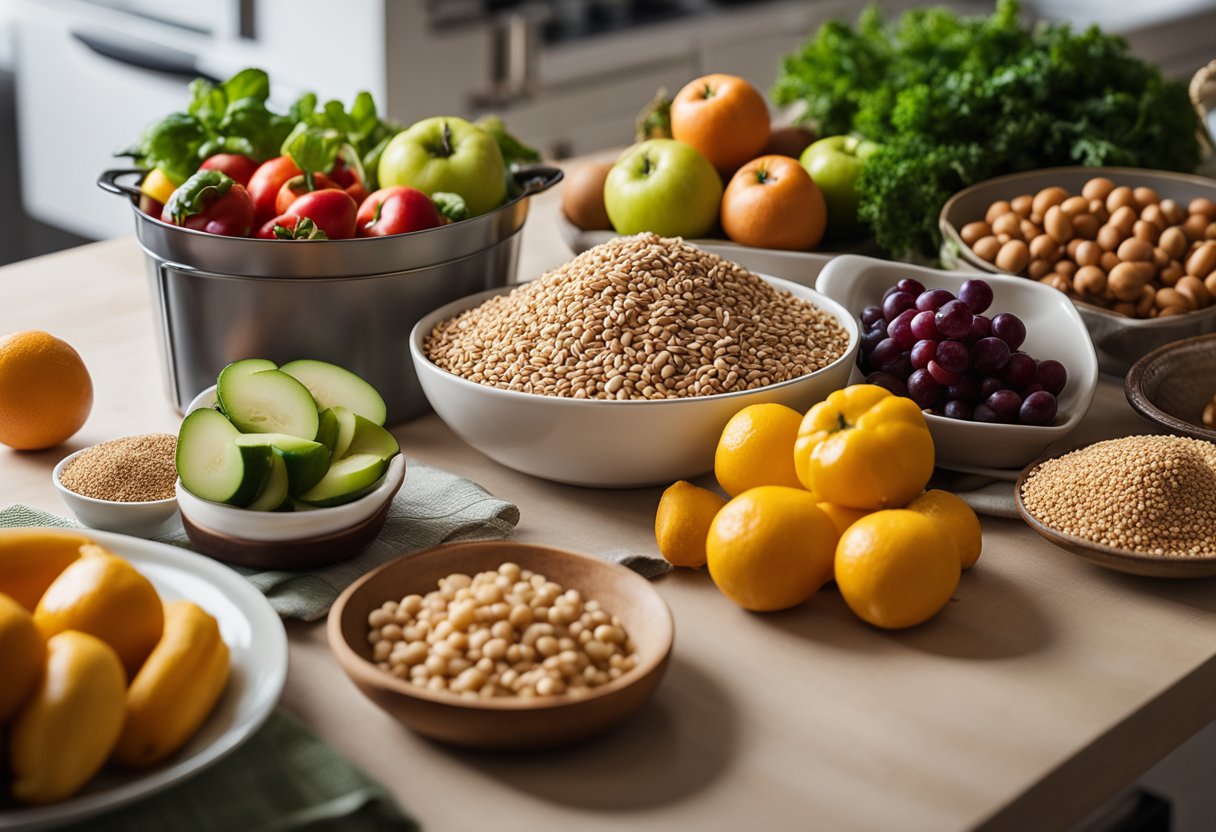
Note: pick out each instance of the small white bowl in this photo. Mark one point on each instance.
(1054, 329)
(612, 444)
(146, 519)
(279, 526)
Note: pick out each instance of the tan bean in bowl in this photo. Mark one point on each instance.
(1112, 246)
(510, 632)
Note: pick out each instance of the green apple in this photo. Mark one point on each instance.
(835, 163)
(447, 153)
(664, 186)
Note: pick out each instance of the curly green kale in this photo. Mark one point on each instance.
(954, 100)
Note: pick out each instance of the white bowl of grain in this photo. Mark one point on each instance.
(618, 441)
(119, 486)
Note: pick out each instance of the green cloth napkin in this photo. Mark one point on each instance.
(283, 778)
(432, 507)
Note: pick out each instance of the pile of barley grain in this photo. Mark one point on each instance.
(641, 317)
(133, 469)
(1155, 495)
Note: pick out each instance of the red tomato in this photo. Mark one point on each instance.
(348, 181)
(265, 183)
(295, 187)
(230, 215)
(397, 210)
(240, 167)
(331, 209)
(357, 192)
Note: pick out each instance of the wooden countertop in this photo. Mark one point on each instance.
(1046, 686)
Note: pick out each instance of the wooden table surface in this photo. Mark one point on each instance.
(1047, 685)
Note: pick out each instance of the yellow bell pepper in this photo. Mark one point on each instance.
(864, 448)
(158, 186)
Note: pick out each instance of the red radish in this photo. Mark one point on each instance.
(332, 210)
(397, 210)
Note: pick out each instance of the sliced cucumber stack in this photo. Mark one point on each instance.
(333, 386)
(213, 466)
(268, 401)
(274, 494)
(306, 461)
(348, 479)
(306, 435)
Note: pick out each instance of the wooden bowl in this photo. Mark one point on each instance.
(1171, 385)
(1122, 560)
(505, 723)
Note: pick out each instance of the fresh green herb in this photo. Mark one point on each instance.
(515, 153)
(304, 229)
(358, 137)
(452, 206)
(954, 100)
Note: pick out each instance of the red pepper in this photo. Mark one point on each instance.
(211, 201)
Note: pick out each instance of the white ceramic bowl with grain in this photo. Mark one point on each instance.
(1054, 329)
(143, 519)
(601, 443)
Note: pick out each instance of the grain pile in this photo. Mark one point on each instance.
(641, 317)
(1155, 495)
(133, 469)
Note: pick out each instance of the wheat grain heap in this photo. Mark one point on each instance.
(641, 317)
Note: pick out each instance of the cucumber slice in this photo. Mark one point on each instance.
(347, 479)
(213, 466)
(268, 401)
(274, 493)
(246, 367)
(306, 461)
(334, 386)
(327, 429)
(346, 422)
(370, 438)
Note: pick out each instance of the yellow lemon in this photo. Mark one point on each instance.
(842, 516)
(896, 568)
(106, 597)
(681, 523)
(22, 650)
(757, 448)
(770, 548)
(958, 518)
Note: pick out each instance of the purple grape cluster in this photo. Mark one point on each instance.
(950, 358)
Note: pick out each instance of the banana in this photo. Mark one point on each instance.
(175, 689)
(30, 558)
(72, 721)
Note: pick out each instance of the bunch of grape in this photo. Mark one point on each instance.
(952, 360)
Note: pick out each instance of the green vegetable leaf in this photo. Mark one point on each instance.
(451, 206)
(305, 229)
(173, 145)
(248, 83)
(514, 152)
(313, 149)
(196, 193)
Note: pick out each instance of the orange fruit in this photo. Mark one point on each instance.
(724, 117)
(104, 596)
(957, 517)
(45, 390)
(757, 448)
(681, 523)
(770, 548)
(772, 202)
(896, 568)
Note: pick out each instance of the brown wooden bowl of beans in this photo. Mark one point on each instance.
(1134, 249)
(503, 645)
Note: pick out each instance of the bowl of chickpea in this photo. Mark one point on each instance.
(1134, 249)
(503, 645)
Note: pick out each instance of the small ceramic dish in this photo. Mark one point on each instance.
(145, 519)
(1119, 340)
(1173, 384)
(604, 443)
(1122, 560)
(1053, 330)
(302, 539)
(506, 722)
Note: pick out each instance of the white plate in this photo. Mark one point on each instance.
(257, 645)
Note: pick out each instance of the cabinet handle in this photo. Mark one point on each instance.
(148, 57)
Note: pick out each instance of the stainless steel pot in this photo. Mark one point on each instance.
(350, 302)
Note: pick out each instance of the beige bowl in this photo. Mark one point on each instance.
(1119, 341)
(505, 723)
